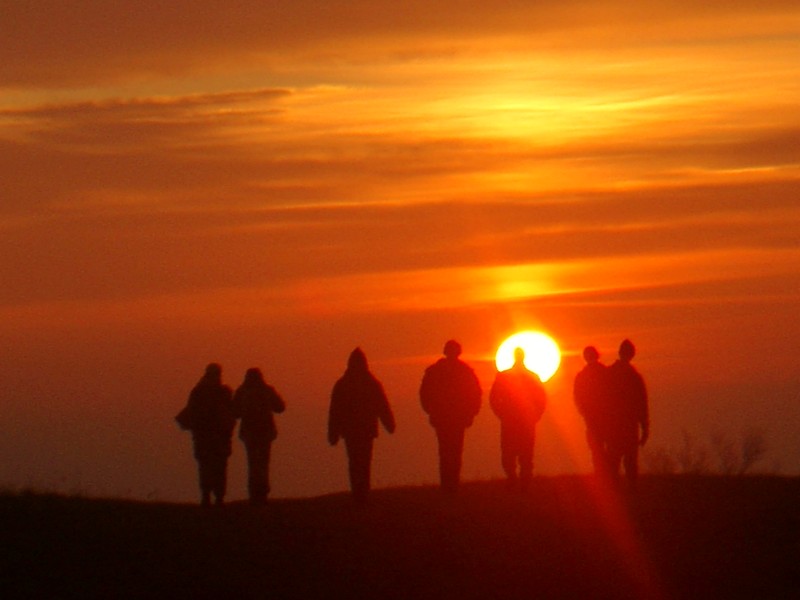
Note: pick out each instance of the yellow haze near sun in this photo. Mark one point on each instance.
(542, 354)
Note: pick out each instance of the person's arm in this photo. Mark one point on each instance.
(185, 418)
(425, 393)
(276, 403)
(644, 414)
(497, 397)
(541, 402)
(477, 394)
(386, 415)
(334, 419)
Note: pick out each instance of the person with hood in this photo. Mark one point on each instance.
(358, 402)
(254, 403)
(590, 392)
(628, 414)
(209, 416)
(518, 399)
(450, 394)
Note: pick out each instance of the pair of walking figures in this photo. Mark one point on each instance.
(613, 402)
(211, 415)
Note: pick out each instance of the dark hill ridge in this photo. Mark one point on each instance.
(679, 537)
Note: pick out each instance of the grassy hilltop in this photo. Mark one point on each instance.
(679, 537)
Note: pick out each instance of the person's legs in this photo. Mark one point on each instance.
(220, 478)
(266, 458)
(258, 471)
(598, 451)
(526, 461)
(614, 458)
(205, 478)
(359, 456)
(631, 463)
(451, 448)
(509, 452)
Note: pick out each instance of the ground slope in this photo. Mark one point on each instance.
(678, 537)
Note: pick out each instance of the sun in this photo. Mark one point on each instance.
(542, 354)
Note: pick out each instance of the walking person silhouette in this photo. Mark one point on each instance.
(518, 399)
(628, 415)
(451, 396)
(358, 402)
(209, 416)
(254, 403)
(591, 394)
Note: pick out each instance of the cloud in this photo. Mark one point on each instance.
(140, 250)
(325, 160)
(151, 122)
(52, 45)
(278, 146)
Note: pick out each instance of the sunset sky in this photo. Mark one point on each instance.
(275, 183)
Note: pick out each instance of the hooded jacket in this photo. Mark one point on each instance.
(358, 402)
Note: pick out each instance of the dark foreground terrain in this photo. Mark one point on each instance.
(678, 537)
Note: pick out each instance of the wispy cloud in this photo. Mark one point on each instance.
(53, 44)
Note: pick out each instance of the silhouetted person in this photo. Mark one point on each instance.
(358, 401)
(628, 414)
(209, 416)
(518, 399)
(254, 403)
(451, 395)
(591, 395)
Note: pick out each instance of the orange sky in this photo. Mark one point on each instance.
(273, 184)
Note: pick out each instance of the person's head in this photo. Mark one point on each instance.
(452, 349)
(519, 357)
(627, 350)
(213, 372)
(590, 354)
(357, 360)
(253, 376)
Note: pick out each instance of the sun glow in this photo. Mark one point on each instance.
(542, 354)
